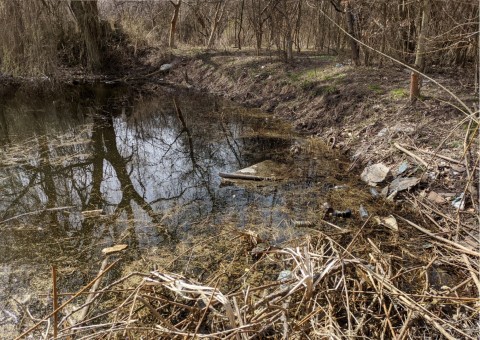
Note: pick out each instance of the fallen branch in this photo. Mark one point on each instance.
(411, 154)
(245, 177)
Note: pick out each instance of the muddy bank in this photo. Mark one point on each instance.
(363, 111)
(326, 96)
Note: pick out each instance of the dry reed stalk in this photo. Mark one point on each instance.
(331, 292)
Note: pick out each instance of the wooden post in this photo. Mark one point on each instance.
(55, 302)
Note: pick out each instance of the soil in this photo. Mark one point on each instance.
(363, 111)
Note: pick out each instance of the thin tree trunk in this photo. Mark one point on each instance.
(415, 81)
(216, 20)
(350, 18)
(240, 25)
(173, 23)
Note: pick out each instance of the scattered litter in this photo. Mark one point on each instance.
(166, 67)
(302, 223)
(402, 168)
(374, 174)
(459, 202)
(363, 212)
(436, 198)
(340, 187)
(403, 183)
(374, 192)
(263, 171)
(389, 222)
(114, 249)
(284, 275)
(343, 214)
(382, 132)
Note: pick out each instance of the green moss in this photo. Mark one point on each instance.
(399, 93)
(375, 88)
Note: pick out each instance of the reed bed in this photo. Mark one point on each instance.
(365, 284)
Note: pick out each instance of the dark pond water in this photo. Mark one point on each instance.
(102, 165)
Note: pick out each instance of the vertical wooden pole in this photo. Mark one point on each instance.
(55, 302)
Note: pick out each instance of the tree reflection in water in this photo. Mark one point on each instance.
(96, 166)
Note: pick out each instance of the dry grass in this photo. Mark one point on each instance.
(334, 285)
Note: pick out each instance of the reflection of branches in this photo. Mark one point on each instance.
(186, 130)
(21, 194)
(230, 145)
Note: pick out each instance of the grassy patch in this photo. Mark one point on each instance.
(399, 93)
(375, 88)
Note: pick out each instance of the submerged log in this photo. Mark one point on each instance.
(245, 177)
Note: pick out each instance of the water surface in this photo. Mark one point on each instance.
(101, 165)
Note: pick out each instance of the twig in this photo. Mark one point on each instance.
(28, 331)
(91, 296)
(473, 272)
(411, 154)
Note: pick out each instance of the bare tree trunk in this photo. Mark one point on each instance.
(240, 26)
(350, 18)
(415, 81)
(216, 20)
(173, 23)
(86, 15)
(288, 44)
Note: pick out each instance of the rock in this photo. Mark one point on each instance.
(403, 183)
(373, 192)
(166, 67)
(114, 249)
(436, 198)
(374, 174)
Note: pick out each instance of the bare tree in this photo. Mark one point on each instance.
(173, 23)
(415, 81)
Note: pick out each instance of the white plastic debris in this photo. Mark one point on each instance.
(374, 174)
(459, 202)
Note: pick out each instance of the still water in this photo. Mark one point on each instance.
(101, 165)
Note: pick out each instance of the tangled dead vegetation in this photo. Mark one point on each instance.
(364, 284)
